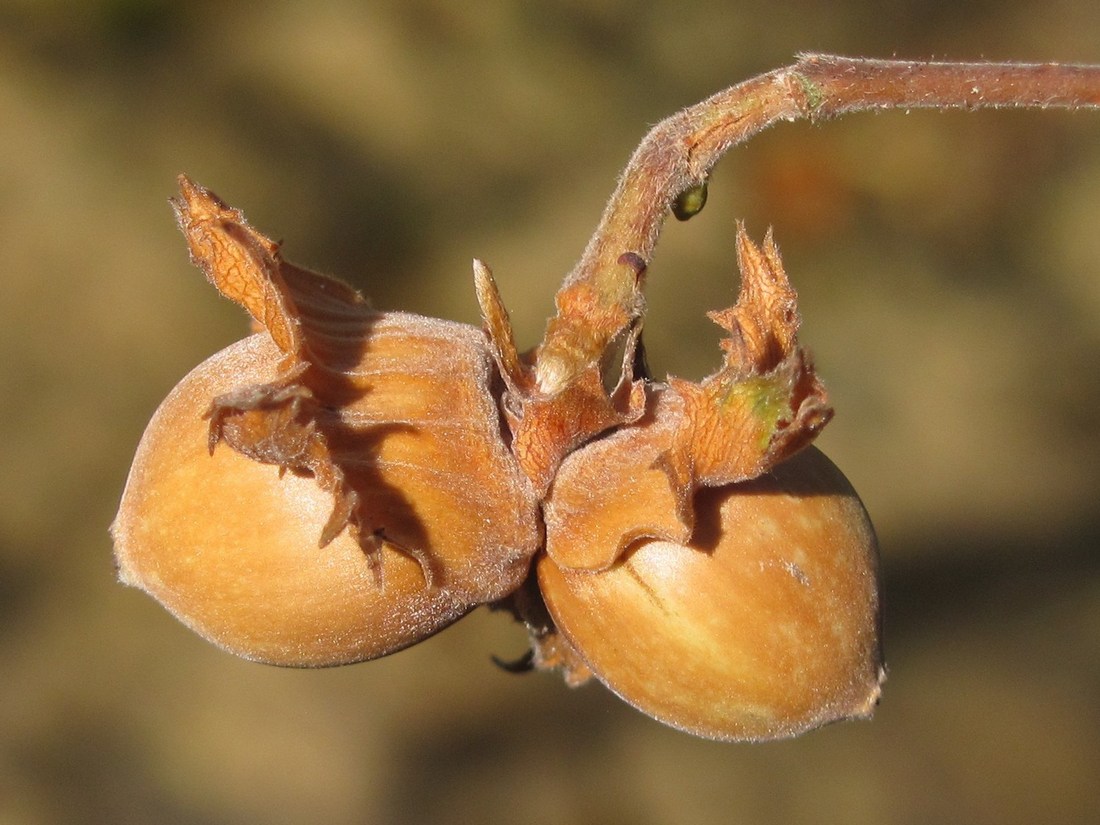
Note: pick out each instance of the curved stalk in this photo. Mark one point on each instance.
(602, 295)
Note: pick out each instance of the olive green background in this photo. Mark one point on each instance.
(949, 270)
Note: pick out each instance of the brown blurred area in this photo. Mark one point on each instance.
(949, 271)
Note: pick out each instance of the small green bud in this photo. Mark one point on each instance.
(690, 202)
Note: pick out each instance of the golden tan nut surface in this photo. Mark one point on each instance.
(230, 545)
(766, 626)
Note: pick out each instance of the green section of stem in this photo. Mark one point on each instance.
(815, 97)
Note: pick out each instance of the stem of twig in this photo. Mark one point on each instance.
(602, 296)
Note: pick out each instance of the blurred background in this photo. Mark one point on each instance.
(949, 272)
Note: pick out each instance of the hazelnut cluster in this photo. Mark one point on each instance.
(346, 482)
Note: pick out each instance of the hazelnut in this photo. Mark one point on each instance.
(332, 489)
(764, 625)
(702, 561)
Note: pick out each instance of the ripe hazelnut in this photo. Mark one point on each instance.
(764, 625)
(702, 561)
(332, 489)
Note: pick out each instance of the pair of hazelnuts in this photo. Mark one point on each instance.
(345, 482)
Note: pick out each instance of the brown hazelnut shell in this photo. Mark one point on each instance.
(230, 545)
(765, 625)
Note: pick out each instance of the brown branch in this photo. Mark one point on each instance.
(602, 296)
